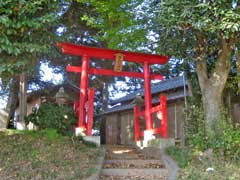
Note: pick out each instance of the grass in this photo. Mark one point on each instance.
(194, 169)
(45, 155)
(181, 156)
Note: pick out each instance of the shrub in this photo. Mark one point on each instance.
(226, 143)
(52, 116)
(195, 127)
(181, 155)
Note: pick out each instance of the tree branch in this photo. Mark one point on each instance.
(201, 68)
(201, 65)
(223, 63)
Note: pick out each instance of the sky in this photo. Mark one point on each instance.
(2, 101)
(49, 75)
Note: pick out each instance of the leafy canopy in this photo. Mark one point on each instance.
(25, 32)
(117, 21)
(196, 27)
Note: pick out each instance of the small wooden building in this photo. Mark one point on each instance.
(35, 98)
(118, 126)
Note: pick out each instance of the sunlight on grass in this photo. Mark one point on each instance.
(46, 155)
(194, 169)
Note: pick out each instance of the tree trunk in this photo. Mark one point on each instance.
(104, 108)
(12, 99)
(22, 99)
(105, 97)
(212, 102)
(238, 68)
(212, 86)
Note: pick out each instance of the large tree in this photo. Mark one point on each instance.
(93, 23)
(26, 32)
(206, 33)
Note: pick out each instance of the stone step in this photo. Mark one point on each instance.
(135, 163)
(128, 163)
(133, 156)
(132, 178)
(135, 172)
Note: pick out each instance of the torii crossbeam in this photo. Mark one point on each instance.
(107, 54)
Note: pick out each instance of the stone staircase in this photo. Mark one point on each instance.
(125, 163)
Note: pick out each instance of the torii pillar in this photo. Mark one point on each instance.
(83, 93)
(148, 96)
(148, 133)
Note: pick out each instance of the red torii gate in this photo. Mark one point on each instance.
(146, 59)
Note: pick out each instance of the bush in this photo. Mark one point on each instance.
(52, 116)
(226, 143)
(181, 155)
(195, 127)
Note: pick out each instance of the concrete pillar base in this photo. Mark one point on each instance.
(138, 143)
(93, 139)
(20, 125)
(79, 131)
(148, 135)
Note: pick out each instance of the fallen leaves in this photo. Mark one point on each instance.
(26, 157)
(133, 166)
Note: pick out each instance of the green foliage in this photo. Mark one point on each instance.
(50, 134)
(117, 22)
(225, 143)
(25, 32)
(188, 24)
(203, 33)
(233, 85)
(194, 169)
(195, 126)
(180, 155)
(209, 16)
(52, 116)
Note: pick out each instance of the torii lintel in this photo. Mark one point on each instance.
(110, 54)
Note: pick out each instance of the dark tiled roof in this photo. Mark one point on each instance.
(170, 96)
(51, 90)
(156, 88)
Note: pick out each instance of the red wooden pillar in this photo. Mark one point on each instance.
(83, 93)
(136, 123)
(148, 96)
(90, 111)
(163, 110)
